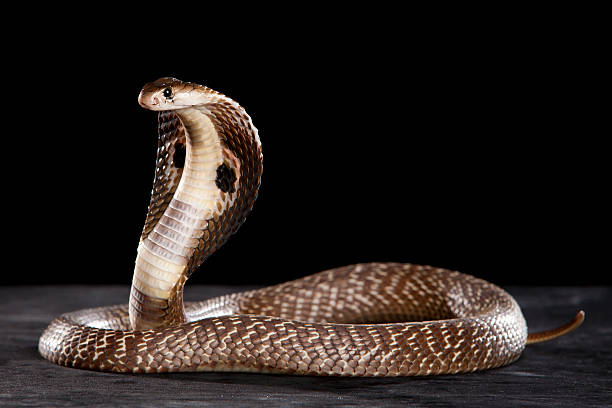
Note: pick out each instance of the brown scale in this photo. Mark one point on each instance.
(167, 173)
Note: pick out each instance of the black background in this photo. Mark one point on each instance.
(472, 146)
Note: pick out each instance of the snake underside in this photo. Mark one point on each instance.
(377, 319)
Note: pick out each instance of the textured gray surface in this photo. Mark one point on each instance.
(575, 370)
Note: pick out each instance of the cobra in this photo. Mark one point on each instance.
(376, 319)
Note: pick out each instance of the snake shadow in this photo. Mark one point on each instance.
(296, 382)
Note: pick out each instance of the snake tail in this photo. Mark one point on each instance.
(547, 335)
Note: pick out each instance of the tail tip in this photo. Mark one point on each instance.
(560, 331)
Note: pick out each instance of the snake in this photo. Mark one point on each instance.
(368, 319)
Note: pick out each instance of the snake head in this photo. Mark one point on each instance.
(172, 94)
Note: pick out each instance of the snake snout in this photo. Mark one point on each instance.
(148, 100)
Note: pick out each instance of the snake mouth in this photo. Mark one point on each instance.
(149, 100)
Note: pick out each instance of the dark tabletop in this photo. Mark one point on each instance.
(575, 370)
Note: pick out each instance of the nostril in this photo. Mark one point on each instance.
(155, 101)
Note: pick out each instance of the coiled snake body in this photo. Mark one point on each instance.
(360, 320)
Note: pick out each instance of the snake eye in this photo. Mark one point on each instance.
(168, 93)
